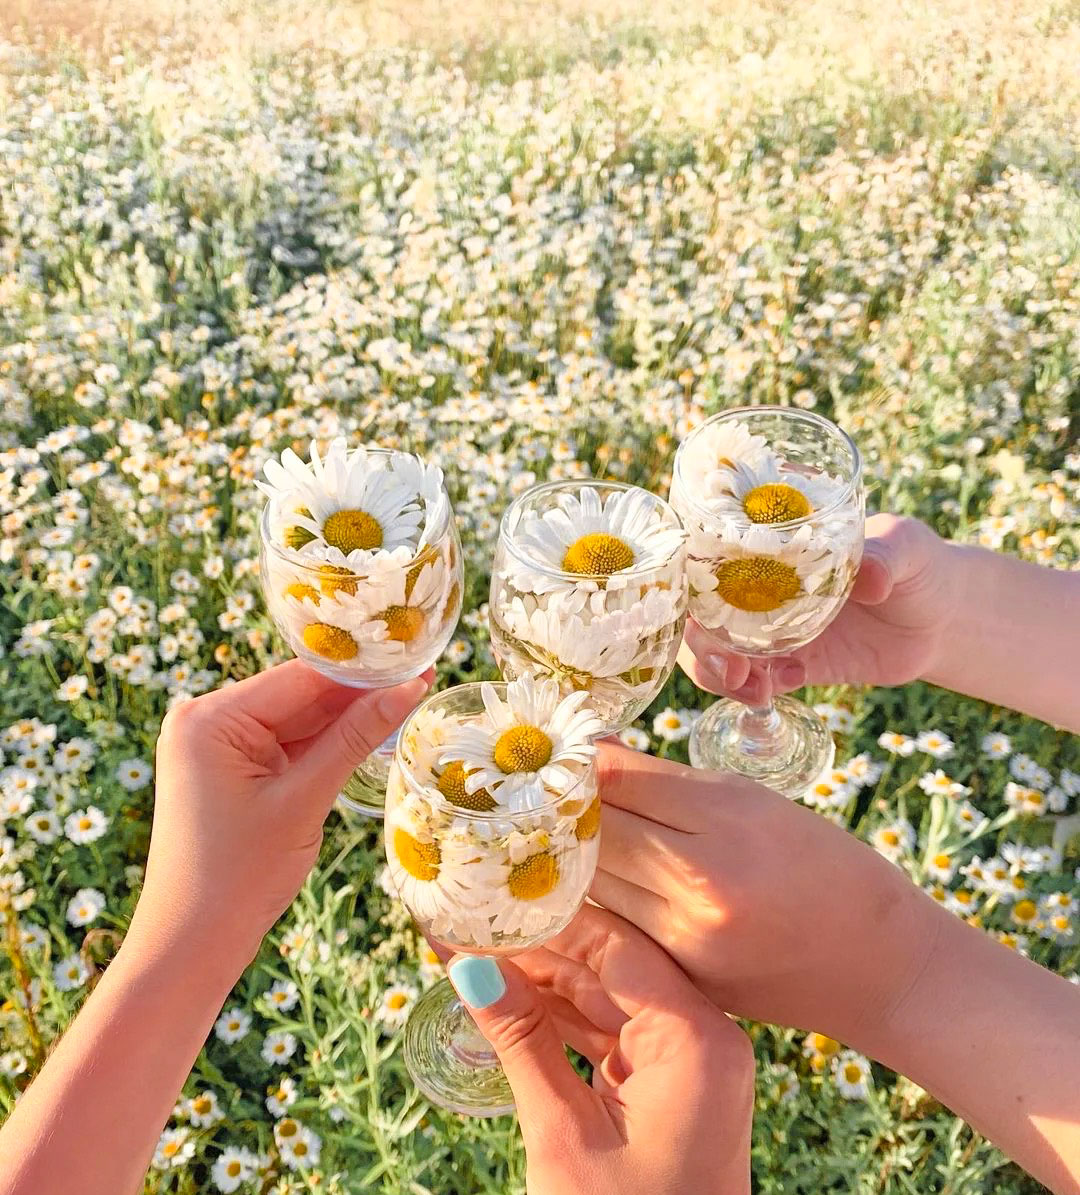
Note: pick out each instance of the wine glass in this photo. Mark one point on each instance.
(589, 587)
(492, 837)
(773, 503)
(362, 574)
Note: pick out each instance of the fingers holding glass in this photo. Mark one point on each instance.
(492, 837)
(773, 504)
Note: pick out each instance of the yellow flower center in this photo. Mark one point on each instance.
(300, 591)
(335, 578)
(297, 537)
(201, 1106)
(232, 1169)
(397, 1001)
(941, 861)
(757, 583)
(350, 530)
(330, 642)
(890, 838)
(588, 825)
(288, 1128)
(300, 1149)
(534, 878)
(85, 823)
(962, 896)
(420, 859)
(522, 749)
(775, 502)
(451, 784)
(597, 555)
(852, 1073)
(403, 622)
(818, 1063)
(824, 1045)
(1025, 911)
(428, 556)
(170, 1149)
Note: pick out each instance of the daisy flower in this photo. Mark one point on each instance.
(894, 840)
(232, 1168)
(588, 542)
(713, 454)
(635, 738)
(395, 1005)
(941, 867)
(757, 586)
(934, 743)
(86, 825)
(769, 494)
(996, 746)
(173, 1150)
(70, 973)
(278, 1048)
(936, 783)
(283, 995)
(134, 774)
(202, 1109)
(85, 906)
(300, 1151)
(233, 1025)
(349, 504)
(851, 1073)
(672, 725)
(280, 1098)
(973, 820)
(1028, 802)
(528, 746)
(896, 743)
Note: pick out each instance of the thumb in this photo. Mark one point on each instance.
(509, 1012)
(355, 733)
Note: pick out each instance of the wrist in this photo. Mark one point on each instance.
(203, 946)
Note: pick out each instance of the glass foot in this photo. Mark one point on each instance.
(365, 789)
(449, 1058)
(786, 748)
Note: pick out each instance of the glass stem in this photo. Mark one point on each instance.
(760, 727)
(467, 1044)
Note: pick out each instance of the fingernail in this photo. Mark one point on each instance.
(718, 666)
(791, 675)
(478, 981)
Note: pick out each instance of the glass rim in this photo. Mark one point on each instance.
(506, 537)
(810, 417)
(490, 815)
(292, 558)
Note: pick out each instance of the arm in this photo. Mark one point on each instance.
(778, 915)
(1013, 635)
(966, 618)
(996, 1038)
(115, 1075)
(245, 779)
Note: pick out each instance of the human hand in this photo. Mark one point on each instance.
(245, 778)
(889, 632)
(672, 1098)
(772, 911)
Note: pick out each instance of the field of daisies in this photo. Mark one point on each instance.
(527, 242)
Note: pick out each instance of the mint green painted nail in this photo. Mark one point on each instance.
(478, 981)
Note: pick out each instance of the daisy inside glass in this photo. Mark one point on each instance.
(492, 813)
(361, 564)
(589, 588)
(773, 506)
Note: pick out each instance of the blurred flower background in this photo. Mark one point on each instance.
(529, 242)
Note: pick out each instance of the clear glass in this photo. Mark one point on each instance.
(773, 503)
(488, 883)
(616, 633)
(333, 619)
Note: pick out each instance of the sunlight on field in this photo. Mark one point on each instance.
(528, 241)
